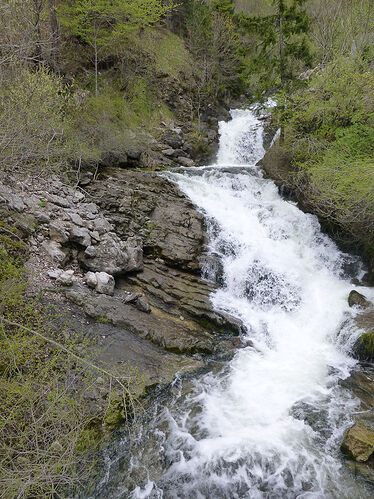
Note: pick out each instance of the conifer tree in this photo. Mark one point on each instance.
(100, 23)
(280, 44)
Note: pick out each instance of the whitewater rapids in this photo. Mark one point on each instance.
(268, 424)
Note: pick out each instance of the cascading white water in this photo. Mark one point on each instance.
(268, 424)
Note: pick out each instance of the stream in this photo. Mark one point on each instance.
(268, 423)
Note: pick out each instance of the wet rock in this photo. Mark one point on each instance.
(358, 442)
(239, 343)
(185, 161)
(104, 283)
(357, 299)
(115, 256)
(362, 385)
(181, 294)
(364, 346)
(363, 349)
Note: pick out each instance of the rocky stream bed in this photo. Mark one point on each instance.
(121, 261)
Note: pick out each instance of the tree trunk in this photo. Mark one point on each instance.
(281, 48)
(96, 71)
(54, 31)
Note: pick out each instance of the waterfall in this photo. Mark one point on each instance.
(267, 424)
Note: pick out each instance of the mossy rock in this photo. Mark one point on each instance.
(116, 413)
(364, 347)
(357, 299)
(358, 443)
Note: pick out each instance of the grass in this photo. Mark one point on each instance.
(49, 426)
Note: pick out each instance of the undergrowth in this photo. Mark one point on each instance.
(56, 400)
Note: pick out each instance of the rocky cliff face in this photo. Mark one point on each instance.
(125, 257)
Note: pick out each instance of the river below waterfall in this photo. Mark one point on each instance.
(268, 423)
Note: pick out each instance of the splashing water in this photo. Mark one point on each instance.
(268, 424)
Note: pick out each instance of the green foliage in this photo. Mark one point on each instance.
(167, 52)
(32, 120)
(105, 124)
(342, 28)
(213, 39)
(104, 23)
(49, 428)
(277, 48)
(329, 130)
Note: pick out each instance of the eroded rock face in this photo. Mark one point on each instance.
(146, 205)
(140, 229)
(162, 331)
(364, 346)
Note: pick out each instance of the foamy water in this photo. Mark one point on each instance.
(268, 424)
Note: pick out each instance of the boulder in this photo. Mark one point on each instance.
(54, 274)
(364, 346)
(172, 139)
(90, 252)
(102, 226)
(66, 278)
(41, 217)
(357, 299)
(185, 161)
(115, 256)
(76, 219)
(58, 200)
(363, 349)
(58, 254)
(168, 152)
(58, 232)
(80, 236)
(104, 283)
(142, 305)
(358, 442)
(91, 279)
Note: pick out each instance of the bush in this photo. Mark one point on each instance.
(32, 119)
(329, 130)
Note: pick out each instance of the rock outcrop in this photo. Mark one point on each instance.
(127, 253)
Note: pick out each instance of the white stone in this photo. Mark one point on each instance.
(91, 279)
(66, 278)
(54, 274)
(105, 283)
